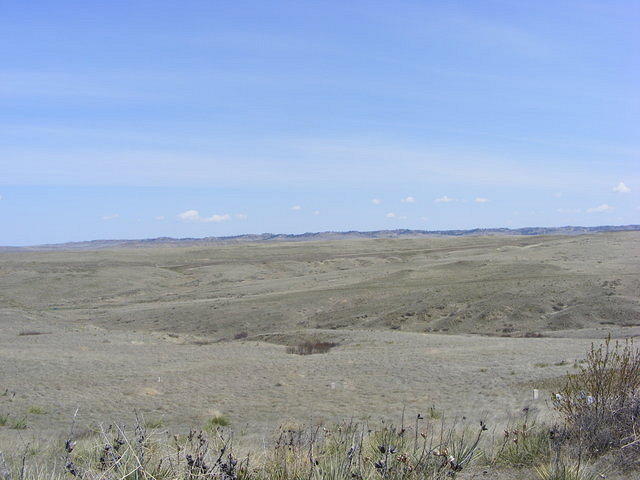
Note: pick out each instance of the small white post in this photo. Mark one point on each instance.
(535, 393)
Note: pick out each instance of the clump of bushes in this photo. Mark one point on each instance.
(309, 348)
(600, 405)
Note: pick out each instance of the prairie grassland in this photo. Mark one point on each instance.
(453, 327)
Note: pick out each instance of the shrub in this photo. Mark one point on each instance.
(4, 419)
(601, 404)
(36, 410)
(309, 348)
(240, 335)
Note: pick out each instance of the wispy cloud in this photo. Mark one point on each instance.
(194, 216)
(481, 200)
(241, 216)
(159, 217)
(296, 207)
(621, 188)
(600, 208)
(444, 199)
(408, 200)
(568, 210)
(557, 194)
(112, 216)
(316, 212)
(376, 201)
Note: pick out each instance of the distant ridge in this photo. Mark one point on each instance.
(318, 236)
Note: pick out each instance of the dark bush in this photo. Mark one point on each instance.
(309, 348)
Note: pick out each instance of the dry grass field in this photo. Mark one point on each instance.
(454, 326)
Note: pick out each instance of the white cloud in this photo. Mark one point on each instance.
(194, 216)
(296, 207)
(557, 194)
(408, 200)
(190, 215)
(600, 208)
(481, 200)
(316, 212)
(376, 201)
(0, 197)
(160, 217)
(241, 216)
(218, 218)
(621, 188)
(444, 199)
(424, 219)
(391, 215)
(568, 210)
(112, 216)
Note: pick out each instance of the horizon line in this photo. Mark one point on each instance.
(267, 236)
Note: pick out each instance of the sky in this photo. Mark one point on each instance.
(139, 119)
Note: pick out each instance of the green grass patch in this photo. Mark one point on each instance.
(216, 421)
(36, 410)
(20, 424)
(522, 447)
(155, 423)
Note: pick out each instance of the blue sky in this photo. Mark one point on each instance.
(130, 119)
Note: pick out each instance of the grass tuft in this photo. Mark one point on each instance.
(36, 410)
(560, 471)
(19, 424)
(155, 423)
(216, 421)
